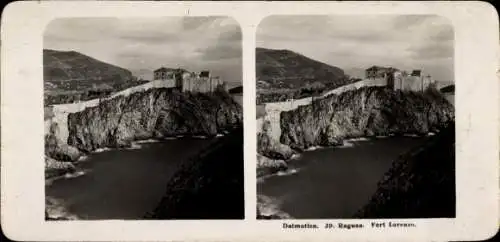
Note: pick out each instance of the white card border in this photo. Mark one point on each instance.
(476, 61)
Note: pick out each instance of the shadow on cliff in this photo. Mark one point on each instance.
(420, 184)
(208, 186)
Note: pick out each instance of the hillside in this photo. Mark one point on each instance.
(288, 69)
(61, 66)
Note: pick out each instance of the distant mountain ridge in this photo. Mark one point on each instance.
(288, 69)
(355, 72)
(72, 65)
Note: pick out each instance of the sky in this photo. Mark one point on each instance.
(356, 42)
(142, 45)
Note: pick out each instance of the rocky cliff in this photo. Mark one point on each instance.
(154, 113)
(420, 184)
(208, 186)
(368, 111)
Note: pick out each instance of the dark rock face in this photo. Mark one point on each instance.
(367, 111)
(209, 186)
(420, 184)
(156, 113)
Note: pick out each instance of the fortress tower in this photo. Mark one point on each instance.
(188, 81)
(417, 81)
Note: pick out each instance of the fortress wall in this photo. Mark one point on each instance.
(186, 83)
(412, 83)
(164, 83)
(428, 81)
(216, 81)
(200, 84)
(195, 84)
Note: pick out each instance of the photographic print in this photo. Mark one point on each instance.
(355, 117)
(354, 130)
(143, 118)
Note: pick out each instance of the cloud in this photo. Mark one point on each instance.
(359, 41)
(404, 21)
(437, 50)
(221, 52)
(140, 44)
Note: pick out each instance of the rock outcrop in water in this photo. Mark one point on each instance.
(155, 113)
(268, 147)
(420, 184)
(209, 186)
(367, 111)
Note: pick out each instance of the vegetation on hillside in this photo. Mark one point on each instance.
(284, 74)
(291, 70)
(308, 90)
(71, 66)
(70, 76)
(59, 97)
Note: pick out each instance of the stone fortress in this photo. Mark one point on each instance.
(188, 81)
(400, 80)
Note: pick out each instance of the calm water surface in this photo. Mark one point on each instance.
(123, 184)
(335, 182)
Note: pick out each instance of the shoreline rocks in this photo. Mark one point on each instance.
(267, 166)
